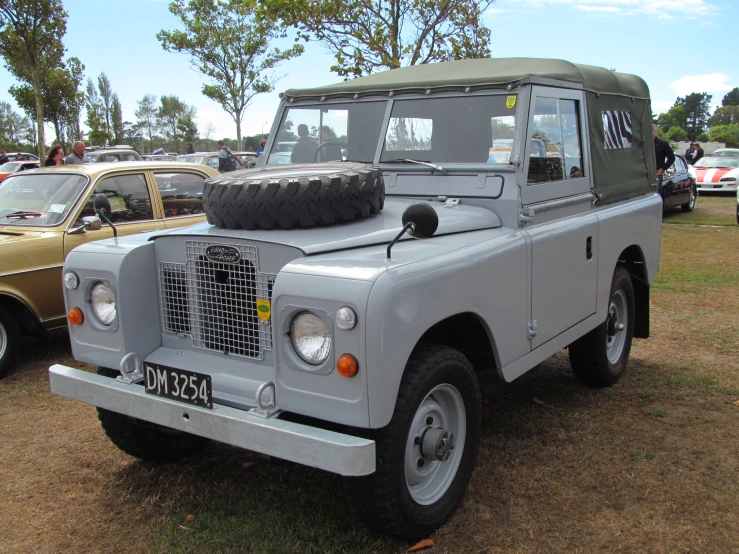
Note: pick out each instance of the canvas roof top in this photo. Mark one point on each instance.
(479, 73)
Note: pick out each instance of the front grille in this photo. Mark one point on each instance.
(215, 302)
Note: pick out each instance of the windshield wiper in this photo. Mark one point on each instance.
(22, 214)
(419, 162)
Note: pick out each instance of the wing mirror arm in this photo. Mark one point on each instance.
(90, 223)
(102, 208)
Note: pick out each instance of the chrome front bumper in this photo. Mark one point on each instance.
(303, 444)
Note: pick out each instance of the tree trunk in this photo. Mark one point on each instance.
(39, 113)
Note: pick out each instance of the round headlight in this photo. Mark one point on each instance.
(102, 300)
(346, 318)
(311, 338)
(71, 281)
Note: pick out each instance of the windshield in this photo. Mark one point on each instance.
(336, 132)
(727, 153)
(192, 159)
(10, 167)
(467, 129)
(717, 162)
(40, 199)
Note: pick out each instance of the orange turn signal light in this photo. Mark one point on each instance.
(347, 365)
(75, 316)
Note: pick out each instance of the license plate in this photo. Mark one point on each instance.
(179, 384)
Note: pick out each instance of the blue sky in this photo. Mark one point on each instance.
(678, 47)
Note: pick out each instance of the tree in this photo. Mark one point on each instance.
(731, 98)
(371, 35)
(146, 116)
(60, 92)
(698, 108)
(728, 134)
(677, 116)
(75, 103)
(106, 94)
(116, 116)
(31, 33)
(208, 134)
(14, 128)
(174, 119)
(676, 134)
(96, 116)
(725, 115)
(239, 61)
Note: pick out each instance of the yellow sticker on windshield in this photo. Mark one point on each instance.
(510, 102)
(264, 309)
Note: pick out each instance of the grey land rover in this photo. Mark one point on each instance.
(434, 222)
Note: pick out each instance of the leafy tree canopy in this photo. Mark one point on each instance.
(366, 36)
(231, 46)
(698, 108)
(731, 98)
(725, 115)
(728, 134)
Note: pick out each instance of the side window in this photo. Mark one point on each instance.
(213, 162)
(128, 196)
(182, 193)
(617, 128)
(555, 149)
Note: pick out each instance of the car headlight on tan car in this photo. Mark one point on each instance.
(310, 338)
(102, 301)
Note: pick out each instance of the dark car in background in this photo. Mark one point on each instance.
(678, 186)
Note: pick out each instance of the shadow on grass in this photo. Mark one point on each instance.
(242, 503)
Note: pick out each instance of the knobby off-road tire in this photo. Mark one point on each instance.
(10, 338)
(689, 206)
(145, 440)
(439, 388)
(295, 196)
(599, 358)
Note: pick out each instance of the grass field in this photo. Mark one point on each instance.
(649, 465)
(710, 209)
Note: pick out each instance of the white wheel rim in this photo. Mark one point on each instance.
(428, 480)
(616, 326)
(692, 197)
(3, 340)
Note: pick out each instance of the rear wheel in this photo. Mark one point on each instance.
(145, 440)
(690, 204)
(426, 454)
(10, 338)
(600, 357)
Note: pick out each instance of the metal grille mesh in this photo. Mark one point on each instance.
(215, 302)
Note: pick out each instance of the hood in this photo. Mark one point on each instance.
(378, 229)
(9, 235)
(713, 174)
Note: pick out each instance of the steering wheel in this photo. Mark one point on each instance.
(332, 143)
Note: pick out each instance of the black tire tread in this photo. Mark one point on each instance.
(248, 200)
(143, 440)
(13, 334)
(588, 354)
(375, 498)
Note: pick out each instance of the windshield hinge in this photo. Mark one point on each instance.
(532, 329)
(451, 202)
(526, 215)
(596, 197)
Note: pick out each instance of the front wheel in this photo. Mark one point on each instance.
(144, 440)
(10, 338)
(689, 206)
(599, 358)
(426, 454)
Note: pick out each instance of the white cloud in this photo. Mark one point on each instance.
(712, 82)
(661, 9)
(661, 106)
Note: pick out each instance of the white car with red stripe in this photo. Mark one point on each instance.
(714, 173)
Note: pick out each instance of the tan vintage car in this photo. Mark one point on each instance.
(41, 221)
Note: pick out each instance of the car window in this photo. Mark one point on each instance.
(128, 196)
(556, 133)
(679, 166)
(213, 162)
(182, 193)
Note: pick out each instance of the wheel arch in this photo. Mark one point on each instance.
(632, 259)
(23, 314)
(468, 333)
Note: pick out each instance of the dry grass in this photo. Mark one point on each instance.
(649, 465)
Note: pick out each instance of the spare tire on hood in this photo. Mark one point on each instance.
(295, 196)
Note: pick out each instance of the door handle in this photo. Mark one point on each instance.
(589, 248)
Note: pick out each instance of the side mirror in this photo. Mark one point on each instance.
(251, 163)
(419, 221)
(101, 202)
(89, 223)
(422, 219)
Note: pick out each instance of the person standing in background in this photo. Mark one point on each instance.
(189, 149)
(698, 153)
(260, 150)
(665, 157)
(3, 158)
(78, 155)
(55, 156)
